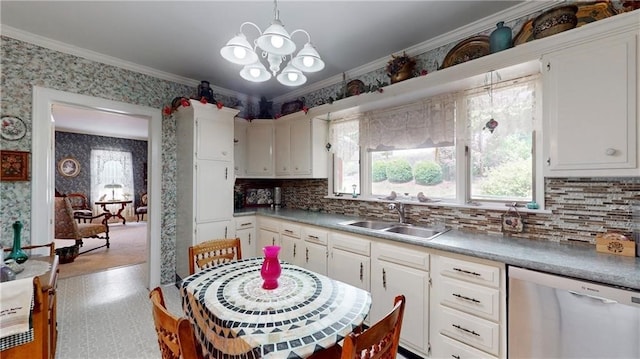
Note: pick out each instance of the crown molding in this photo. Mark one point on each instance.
(510, 14)
(107, 60)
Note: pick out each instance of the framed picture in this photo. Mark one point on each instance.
(14, 166)
(69, 167)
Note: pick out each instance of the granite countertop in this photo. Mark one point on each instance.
(579, 260)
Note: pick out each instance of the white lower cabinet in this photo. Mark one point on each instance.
(349, 259)
(291, 247)
(468, 308)
(246, 231)
(400, 269)
(316, 252)
(268, 234)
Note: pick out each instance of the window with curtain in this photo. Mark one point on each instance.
(111, 175)
(412, 148)
(466, 146)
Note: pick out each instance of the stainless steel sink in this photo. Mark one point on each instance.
(395, 227)
(371, 224)
(421, 232)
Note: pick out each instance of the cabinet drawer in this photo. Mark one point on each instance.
(269, 224)
(403, 256)
(469, 271)
(454, 349)
(351, 244)
(290, 229)
(315, 235)
(470, 298)
(245, 222)
(478, 333)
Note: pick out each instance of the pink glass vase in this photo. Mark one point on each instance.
(271, 269)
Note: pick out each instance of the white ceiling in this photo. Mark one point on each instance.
(181, 40)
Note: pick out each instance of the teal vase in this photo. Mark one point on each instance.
(17, 254)
(500, 38)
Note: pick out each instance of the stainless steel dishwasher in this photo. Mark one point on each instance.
(550, 316)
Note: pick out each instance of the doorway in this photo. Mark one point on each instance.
(43, 181)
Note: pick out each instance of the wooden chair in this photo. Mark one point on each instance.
(80, 205)
(51, 245)
(141, 209)
(67, 228)
(175, 335)
(380, 341)
(211, 253)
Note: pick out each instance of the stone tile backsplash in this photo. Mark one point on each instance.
(580, 208)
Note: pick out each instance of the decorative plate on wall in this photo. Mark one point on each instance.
(69, 167)
(469, 49)
(12, 128)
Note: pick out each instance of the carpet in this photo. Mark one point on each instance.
(128, 247)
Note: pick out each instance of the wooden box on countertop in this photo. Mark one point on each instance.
(615, 243)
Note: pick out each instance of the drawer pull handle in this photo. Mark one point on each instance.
(455, 356)
(361, 271)
(466, 272)
(313, 237)
(288, 231)
(245, 224)
(384, 279)
(465, 330)
(474, 300)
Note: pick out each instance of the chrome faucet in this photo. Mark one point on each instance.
(399, 206)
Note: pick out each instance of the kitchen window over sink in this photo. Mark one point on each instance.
(473, 145)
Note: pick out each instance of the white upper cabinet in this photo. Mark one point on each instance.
(283, 148)
(240, 147)
(590, 101)
(259, 150)
(213, 132)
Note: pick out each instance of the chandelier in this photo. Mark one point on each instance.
(276, 46)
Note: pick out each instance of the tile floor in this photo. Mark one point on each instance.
(107, 315)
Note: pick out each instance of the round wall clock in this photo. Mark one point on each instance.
(12, 128)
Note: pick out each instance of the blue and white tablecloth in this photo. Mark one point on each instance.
(234, 317)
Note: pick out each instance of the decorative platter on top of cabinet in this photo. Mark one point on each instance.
(466, 50)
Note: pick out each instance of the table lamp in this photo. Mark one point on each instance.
(113, 187)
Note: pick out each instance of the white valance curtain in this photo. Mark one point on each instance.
(423, 124)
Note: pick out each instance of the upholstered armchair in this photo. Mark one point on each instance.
(141, 208)
(67, 228)
(80, 205)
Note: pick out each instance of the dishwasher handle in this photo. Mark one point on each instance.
(603, 300)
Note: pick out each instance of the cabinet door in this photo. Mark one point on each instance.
(212, 230)
(283, 148)
(315, 257)
(239, 147)
(291, 249)
(259, 154)
(350, 268)
(590, 101)
(389, 280)
(266, 238)
(301, 147)
(214, 137)
(214, 191)
(247, 241)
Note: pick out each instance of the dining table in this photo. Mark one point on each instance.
(234, 317)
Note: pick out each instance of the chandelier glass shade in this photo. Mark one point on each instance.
(277, 47)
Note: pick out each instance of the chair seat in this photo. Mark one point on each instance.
(142, 209)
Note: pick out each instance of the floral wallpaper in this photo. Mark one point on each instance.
(79, 146)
